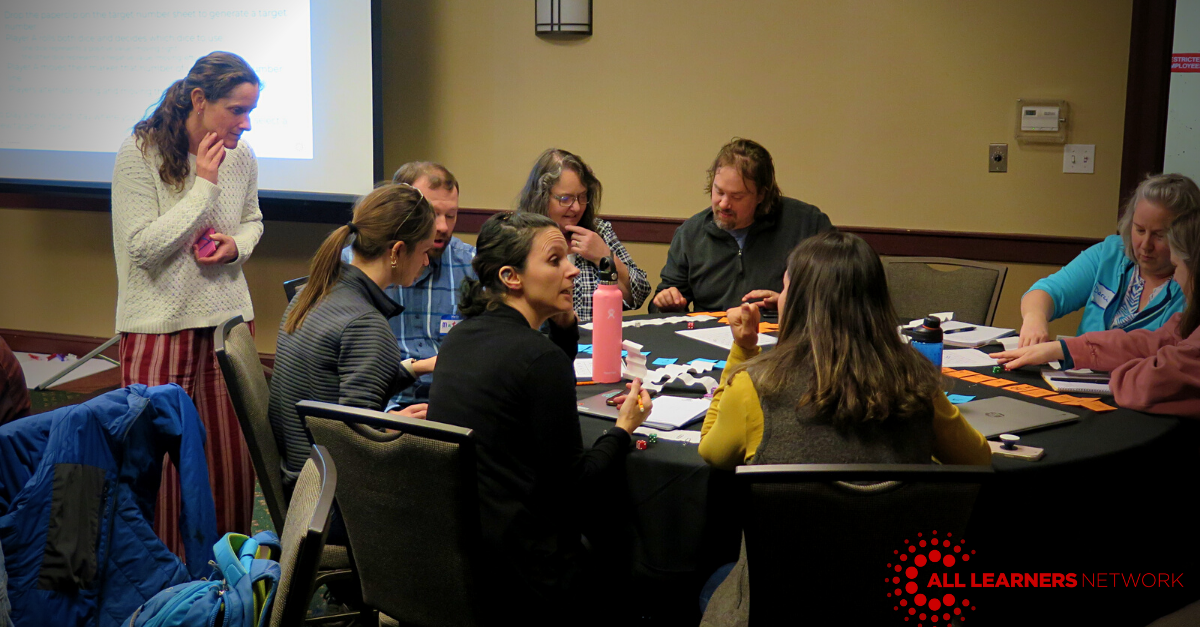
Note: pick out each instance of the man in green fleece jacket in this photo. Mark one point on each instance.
(737, 249)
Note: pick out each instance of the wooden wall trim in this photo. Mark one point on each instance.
(1001, 247)
(21, 341)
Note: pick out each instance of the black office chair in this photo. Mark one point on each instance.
(303, 542)
(971, 289)
(814, 540)
(292, 287)
(410, 504)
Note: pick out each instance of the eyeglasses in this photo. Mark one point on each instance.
(566, 200)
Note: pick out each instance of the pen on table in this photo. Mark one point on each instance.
(586, 382)
(960, 330)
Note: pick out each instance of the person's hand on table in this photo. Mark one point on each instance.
(1034, 330)
(417, 411)
(670, 299)
(743, 322)
(225, 252)
(635, 407)
(1043, 353)
(209, 156)
(587, 244)
(769, 299)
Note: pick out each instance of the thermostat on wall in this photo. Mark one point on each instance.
(1042, 121)
(1035, 118)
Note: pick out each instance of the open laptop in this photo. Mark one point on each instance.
(1001, 414)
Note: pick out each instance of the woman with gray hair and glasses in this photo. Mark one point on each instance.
(564, 188)
(1124, 282)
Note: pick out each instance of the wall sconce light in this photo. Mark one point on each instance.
(563, 16)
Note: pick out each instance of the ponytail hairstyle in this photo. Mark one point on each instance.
(393, 212)
(838, 339)
(217, 74)
(505, 239)
(1184, 238)
(535, 196)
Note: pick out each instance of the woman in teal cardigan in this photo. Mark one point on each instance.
(1124, 282)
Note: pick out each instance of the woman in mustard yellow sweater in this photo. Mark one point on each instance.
(840, 387)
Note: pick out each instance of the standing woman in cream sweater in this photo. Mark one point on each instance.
(182, 171)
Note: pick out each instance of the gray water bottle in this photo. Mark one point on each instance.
(927, 339)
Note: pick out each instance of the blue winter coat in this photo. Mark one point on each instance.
(77, 492)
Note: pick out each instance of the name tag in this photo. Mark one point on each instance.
(1102, 296)
(448, 323)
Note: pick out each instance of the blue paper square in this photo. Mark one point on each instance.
(720, 365)
(585, 348)
(665, 361)
(958, 399)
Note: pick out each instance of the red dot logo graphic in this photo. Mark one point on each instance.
(935, 567)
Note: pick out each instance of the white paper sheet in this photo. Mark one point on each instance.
(677, 411)
(966, 358)
(583, 369)
(722, 336)
(678, 435)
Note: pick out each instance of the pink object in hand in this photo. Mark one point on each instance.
(205, 245)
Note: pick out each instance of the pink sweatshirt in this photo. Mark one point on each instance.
(1154, 371)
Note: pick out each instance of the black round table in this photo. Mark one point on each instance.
(1101, 477)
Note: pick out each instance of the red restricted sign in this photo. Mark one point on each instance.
(1185, 62)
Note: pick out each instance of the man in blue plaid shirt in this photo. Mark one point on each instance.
(431, 302)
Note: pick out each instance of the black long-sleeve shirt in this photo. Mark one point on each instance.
(343, 353)
(516, 389)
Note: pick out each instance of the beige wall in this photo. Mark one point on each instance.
(878, 112)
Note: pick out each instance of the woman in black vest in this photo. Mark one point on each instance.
(501, 377)
(840, 387)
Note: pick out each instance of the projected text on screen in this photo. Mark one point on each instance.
(78, 80)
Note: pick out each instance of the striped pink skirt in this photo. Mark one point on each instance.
(187, 358)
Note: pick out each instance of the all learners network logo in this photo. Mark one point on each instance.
(921, 561)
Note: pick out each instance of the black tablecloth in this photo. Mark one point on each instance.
(1103, 482)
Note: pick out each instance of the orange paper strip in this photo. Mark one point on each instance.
(1035, 392)
(715, 314)
(998, 383)
(1065, 399)
(1098, 406)
(963, 374)
(977, 378)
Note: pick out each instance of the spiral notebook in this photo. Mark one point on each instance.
(1078, 381)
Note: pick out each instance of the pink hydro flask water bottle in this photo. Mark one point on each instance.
(606, 326)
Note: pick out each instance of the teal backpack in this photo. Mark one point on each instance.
(239, 593)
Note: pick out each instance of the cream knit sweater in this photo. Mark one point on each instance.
(160, 287)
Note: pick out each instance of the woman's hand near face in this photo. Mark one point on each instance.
(1043, 353)
(209, 157)
(743, 322)
(587, 244)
